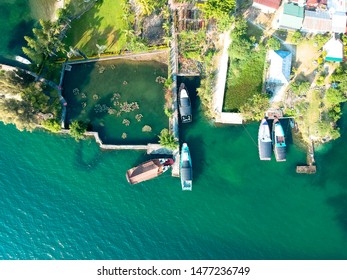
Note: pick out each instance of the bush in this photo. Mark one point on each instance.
(51, 125)
(167, 140)
(77, 129)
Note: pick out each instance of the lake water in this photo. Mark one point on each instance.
(66, 200)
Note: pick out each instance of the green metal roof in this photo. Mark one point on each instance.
(293, 10)
(290, 22)
(333, 59)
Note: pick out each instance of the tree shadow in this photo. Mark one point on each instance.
(18, 32)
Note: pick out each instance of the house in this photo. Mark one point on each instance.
(267, 6)
(339, 22)
(334, 50)
(317, 22)
(292, 16)
(278, 75)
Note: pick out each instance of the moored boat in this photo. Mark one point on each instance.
(22, 59)
(186, 168)
(148, 170)
(264, 141)
(185, 106)
(279, 140)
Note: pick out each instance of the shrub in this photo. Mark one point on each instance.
(167, 140)
(51, 125)
(77, 129)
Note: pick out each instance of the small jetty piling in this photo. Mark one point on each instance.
(310, 168)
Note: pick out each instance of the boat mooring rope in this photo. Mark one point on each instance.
(250, 136)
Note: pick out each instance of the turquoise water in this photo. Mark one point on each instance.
(94, 92)
(66, 200)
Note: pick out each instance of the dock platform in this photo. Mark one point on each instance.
(306, 169)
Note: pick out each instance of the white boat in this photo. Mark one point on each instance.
(185, 106)
(264, 141)
(22, 59)
(186, 169)
(279, 140)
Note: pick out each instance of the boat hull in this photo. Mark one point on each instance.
(264, 141)
(279, 143)
(186, 169)
(185, 107)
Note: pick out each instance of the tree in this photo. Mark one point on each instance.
(167, 139)
(220, 10)
(77, 129)
(273, 44)
(334, 97)
(255, 108)
(297, 37)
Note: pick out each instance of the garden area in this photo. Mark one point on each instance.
(122, 100)
(246, 65)
(103, 26)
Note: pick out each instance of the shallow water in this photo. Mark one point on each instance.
(93, 90)
(17, 18)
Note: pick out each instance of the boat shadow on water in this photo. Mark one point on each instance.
(198, 157)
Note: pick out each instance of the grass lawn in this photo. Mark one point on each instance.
(102, 25)
(248, 82)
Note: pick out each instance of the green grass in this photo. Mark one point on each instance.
(102, 25)
(248, 82)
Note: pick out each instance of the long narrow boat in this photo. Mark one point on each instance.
(22, 59)
(186, 168)
(185, 106)
(279, 141)
(148, 170)
(264, 141)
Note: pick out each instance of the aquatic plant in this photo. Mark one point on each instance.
(160, 80)
(138, 117)
(116, 103)
(113, 66)
(124, 135)
(125, 107)
(135, 106)
(125, 83)
(95, 97)
(126, 122)
(101, 108)
(115, 96)
(146, 128)
(76, 91)
(101, 69)
(83, 95)
(84, 104)
(111, 111)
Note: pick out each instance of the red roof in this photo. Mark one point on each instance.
(269, 3)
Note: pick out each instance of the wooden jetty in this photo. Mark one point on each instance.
(306, 169)
(310, 168)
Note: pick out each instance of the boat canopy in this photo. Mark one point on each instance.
(145, 172)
